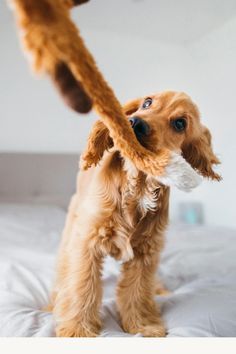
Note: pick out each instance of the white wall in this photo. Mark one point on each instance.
(213, 85)
(33, 118)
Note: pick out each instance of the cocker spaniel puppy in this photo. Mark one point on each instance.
(120, 211)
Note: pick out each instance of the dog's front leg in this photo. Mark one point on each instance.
(135, 297)
(76, 307)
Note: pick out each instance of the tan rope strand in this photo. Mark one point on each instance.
(52, 37)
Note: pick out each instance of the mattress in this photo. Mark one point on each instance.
(198, 266)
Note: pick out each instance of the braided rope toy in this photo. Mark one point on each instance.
(56, 47)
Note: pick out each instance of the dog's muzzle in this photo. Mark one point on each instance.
(140, 127)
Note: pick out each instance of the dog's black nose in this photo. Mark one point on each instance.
(139, 126)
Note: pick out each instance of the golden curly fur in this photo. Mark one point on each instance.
(121, 211)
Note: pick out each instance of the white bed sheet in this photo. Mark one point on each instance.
(198, 265)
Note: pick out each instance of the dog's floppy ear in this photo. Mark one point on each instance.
(99, 139)
(200, 155)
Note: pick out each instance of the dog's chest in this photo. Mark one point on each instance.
(137, 205)
(139, 197)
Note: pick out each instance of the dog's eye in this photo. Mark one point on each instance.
(147, 103)
(179, 124)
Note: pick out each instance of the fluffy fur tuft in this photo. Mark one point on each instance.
(180, 174)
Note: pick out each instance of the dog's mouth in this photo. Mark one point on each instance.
(141, 129)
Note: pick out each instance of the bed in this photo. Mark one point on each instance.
(198, 263)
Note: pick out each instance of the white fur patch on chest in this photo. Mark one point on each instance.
(147, 203)
(149, 199)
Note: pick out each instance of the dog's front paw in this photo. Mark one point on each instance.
(147, 330)
(74, 328)
(153, 331)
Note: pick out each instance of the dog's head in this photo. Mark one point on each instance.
(168, 120)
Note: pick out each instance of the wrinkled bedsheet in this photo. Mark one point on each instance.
(198, 266)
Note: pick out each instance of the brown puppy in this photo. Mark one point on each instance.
(120, 211)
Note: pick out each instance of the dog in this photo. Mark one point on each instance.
(120, 211)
